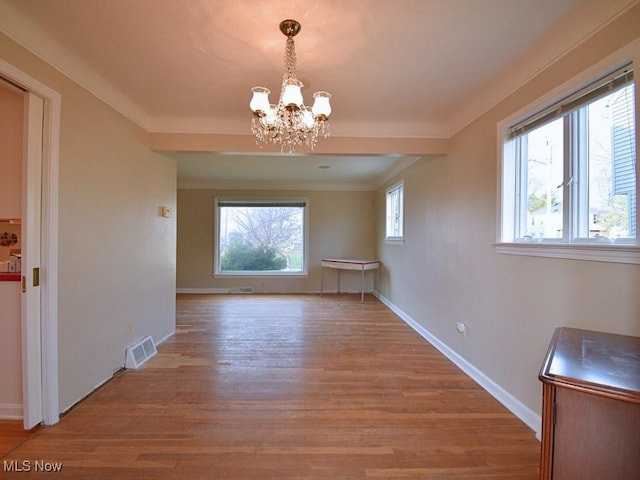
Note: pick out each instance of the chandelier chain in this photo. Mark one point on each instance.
(289, 64)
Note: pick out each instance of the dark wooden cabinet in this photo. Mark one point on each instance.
(591, 406)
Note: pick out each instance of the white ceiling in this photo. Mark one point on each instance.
(403, 68)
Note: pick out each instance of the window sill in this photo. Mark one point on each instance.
(596, 253)
(256, 274)
(394, 241)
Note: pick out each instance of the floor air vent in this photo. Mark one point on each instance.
(140, 352)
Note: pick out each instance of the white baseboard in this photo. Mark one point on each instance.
(346, 291)
(167, 336)
(203, 290)
(209, 291)
(520, 410)
(11, 411)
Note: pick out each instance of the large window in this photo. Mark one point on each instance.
(260, 237)
(569, 171)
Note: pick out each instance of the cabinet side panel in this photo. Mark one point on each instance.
(595, 437)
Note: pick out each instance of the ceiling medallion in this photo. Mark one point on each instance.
(289, 122)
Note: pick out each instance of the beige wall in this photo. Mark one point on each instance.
(341, 224)
(448, 270)
(116, 258)
(10, 351)
(11, 119)
(11, 115)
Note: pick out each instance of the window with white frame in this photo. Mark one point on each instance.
(260, 237)
(395, 212)
(569, 171)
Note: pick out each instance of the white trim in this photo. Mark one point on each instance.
(49, 260)
(515, 406)
(166, 337)
(260, 200)
(595, 253)
(31, 298)
(394, 240)
(556, 45)
(258, 273)
(274, 185)
(50, 180)
(396, 191)
(204, 291)
(581, 25)
(11, 411)
(225, 291)
(343, 291)
(505, 244)
(25, 32)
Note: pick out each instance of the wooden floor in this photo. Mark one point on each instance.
(287, 387)
(12, 435)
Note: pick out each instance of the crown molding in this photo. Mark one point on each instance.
(583, 24)
(589, 19)
(188, 184)
(24, 32)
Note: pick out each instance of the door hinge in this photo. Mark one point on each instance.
(36, 277)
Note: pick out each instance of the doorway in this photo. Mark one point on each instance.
(11, 142)
(39, 269)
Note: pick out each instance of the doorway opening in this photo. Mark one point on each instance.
(40, 268)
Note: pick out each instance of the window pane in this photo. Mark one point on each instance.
(544, 153)
(394, 212)
(612, 176)
(261, 238)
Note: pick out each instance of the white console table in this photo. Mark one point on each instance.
(348, 264)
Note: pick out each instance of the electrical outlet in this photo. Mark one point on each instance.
(461, 327)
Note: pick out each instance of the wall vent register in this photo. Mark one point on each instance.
(140, 352)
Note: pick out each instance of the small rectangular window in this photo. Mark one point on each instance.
(395, 212)
(260, 237)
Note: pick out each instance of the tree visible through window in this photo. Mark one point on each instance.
(260, 237)
(569, 171)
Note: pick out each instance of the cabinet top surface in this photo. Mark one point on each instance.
(600, 361)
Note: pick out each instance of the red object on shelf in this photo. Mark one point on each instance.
(10, 277)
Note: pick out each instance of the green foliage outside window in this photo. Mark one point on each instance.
(241, 255)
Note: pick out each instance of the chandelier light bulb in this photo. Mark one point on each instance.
(260, 100)
(321, 105)
(289, 122)
(292, 95)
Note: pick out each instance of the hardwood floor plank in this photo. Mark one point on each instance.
(12, 434)
(289, 387)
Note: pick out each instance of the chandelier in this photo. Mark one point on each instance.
(289, 122)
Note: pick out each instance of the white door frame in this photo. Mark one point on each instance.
(31, 313)
(48, 342)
